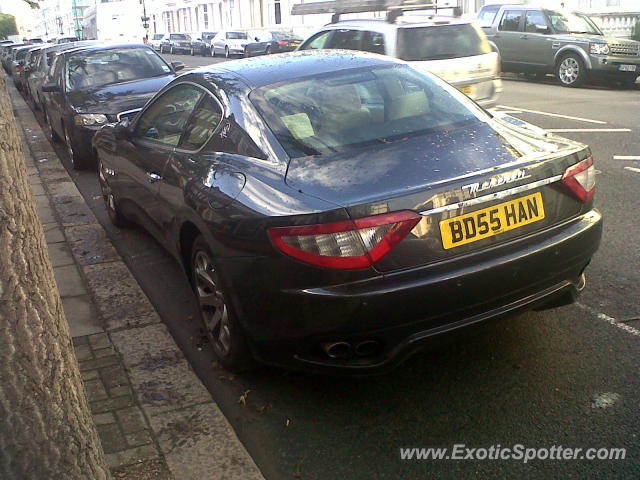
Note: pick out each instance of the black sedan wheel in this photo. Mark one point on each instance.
(115, 216)
(193, 52)
(226, 52)
(268, 50)
(221, 327)
(51, 133)
(171, 50)
(213, 51)
(78, 163)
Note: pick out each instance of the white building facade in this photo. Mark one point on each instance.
(55, 17)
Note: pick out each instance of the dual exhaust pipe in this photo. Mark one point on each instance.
(344, 349)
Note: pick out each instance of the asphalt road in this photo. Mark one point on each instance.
(534, 380)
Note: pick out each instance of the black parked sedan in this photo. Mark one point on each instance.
(335, 209)
(267, 43)
(91, 86)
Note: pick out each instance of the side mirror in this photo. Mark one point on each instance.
(177, 66)
(542, 28)
(121, 130)
(257, 39)
(50, 87)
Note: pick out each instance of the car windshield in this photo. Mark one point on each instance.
(208, 35)
(97, 68)
(566, 22)
(347, 110)
(21, 54)
(158, 36)
(443, 41)
(237, 35)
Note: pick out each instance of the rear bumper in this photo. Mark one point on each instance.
(402, 311)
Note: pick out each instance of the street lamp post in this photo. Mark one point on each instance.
(145, 21)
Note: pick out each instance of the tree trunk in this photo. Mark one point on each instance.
(46, 428)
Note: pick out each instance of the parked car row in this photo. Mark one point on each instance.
(228, 43)
(82, 86)
(300, 191)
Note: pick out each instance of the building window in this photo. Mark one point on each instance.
(613, 3)
(278, 12)
(205, 17)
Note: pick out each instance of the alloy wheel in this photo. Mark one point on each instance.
(212, 305)
(115, 216)
(569, 71)
(71, 153)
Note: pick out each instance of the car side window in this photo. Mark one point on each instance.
(319, 41)
(373, 42)
(346, 39)
(164, 121)
(510, 21)
(532, 20)
(201, 125)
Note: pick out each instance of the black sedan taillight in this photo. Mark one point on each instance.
(345, 245)
(581, 179)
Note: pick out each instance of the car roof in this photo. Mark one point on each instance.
(412, 21)
(71, 45)
(265, 70)
(104, 46)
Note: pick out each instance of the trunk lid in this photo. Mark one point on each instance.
(431, 174)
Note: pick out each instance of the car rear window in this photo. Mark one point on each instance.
(442, 41)
(341, 111)
(237, 35)
(158, 36)
(102, 67)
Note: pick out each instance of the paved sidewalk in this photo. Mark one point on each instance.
(155, 418)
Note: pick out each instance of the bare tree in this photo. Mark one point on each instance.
(46, 428)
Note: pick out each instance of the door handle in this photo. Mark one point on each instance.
(153, 177)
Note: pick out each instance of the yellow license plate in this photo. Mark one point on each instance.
(491, 221)
(466, 89)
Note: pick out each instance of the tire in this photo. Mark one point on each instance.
(268, 50)
(51, 133)
(227, 54)
(161, 49)
(171, 49)
(213, 51)
(77, 162)
(246, 53)
(221, 326)
(570, 71)
(116, 217)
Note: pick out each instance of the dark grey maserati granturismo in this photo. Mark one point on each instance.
(335, 209)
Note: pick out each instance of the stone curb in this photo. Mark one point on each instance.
(179, 416)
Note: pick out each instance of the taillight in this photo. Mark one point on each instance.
(282, 43)
(348, 244)
(581, 179)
